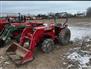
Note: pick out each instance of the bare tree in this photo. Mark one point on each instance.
(88, 11)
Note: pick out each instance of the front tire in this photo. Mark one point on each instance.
(47, 45)
(64, 36)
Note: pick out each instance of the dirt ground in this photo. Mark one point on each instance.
(81, 22)
(53, 60)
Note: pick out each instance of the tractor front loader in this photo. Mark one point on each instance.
(24, 51)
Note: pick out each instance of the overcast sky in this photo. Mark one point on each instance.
(36, 7)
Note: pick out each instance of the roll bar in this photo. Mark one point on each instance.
(66, 18)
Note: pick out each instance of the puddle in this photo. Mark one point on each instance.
(79, 32)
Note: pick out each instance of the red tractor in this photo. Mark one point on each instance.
(44, 37)
(11, 19)
(11, 28)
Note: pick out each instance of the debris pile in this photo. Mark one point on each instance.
(3, 62)
(80, 57)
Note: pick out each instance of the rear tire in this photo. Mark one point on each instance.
(64, 36)
(47, 45)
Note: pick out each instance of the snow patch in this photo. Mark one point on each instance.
(83, 58)
(77, 57)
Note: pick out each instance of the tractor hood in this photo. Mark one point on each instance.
(27, 24)
(18, 24)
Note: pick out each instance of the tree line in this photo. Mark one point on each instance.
(84, 14)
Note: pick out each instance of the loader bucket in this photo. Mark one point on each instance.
(18, 54)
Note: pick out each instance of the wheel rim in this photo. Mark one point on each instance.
(47, 47)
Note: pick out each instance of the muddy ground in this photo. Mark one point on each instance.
(57, 59)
